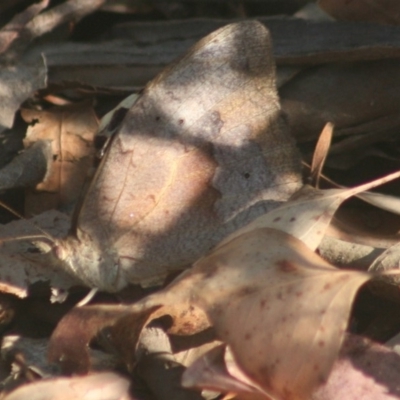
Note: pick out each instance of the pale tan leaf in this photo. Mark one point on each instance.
(384, 201)
(308, 213)
(102, 386)
(281, 308)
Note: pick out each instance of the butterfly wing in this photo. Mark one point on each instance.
(202, 152)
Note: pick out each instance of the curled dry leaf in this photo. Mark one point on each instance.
(202, 152)
(320, 154)
(308, 213)
(69, 345)
(280, 307)
(212, 371)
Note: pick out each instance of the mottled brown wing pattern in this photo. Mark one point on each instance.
(201, 153)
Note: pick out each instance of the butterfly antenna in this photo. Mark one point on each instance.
(44, 234)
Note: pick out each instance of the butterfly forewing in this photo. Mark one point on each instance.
(202, 152)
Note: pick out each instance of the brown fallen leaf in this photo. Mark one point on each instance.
(69, 346)
(201, 153)
(280, 307)
(71, 130)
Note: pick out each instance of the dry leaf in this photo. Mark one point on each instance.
(103, 386)
(70, 130)
(320, 154)
(364, 370)
(28, 168)
(295, 354)
(201, 153)
(69, 346)
(18, 82)
(212, 371)
(28, 354)
(308, 213)
(384, 201)
(20, 267)
(280, 307)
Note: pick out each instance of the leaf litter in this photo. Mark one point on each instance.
(277, 309)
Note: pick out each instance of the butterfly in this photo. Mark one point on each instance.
(203, 151)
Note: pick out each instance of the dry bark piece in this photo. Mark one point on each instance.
(71, 130)
(68, 12)
(201, 153)
(138, 51)
(13, 29)
(327, 93)
(380, 11)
